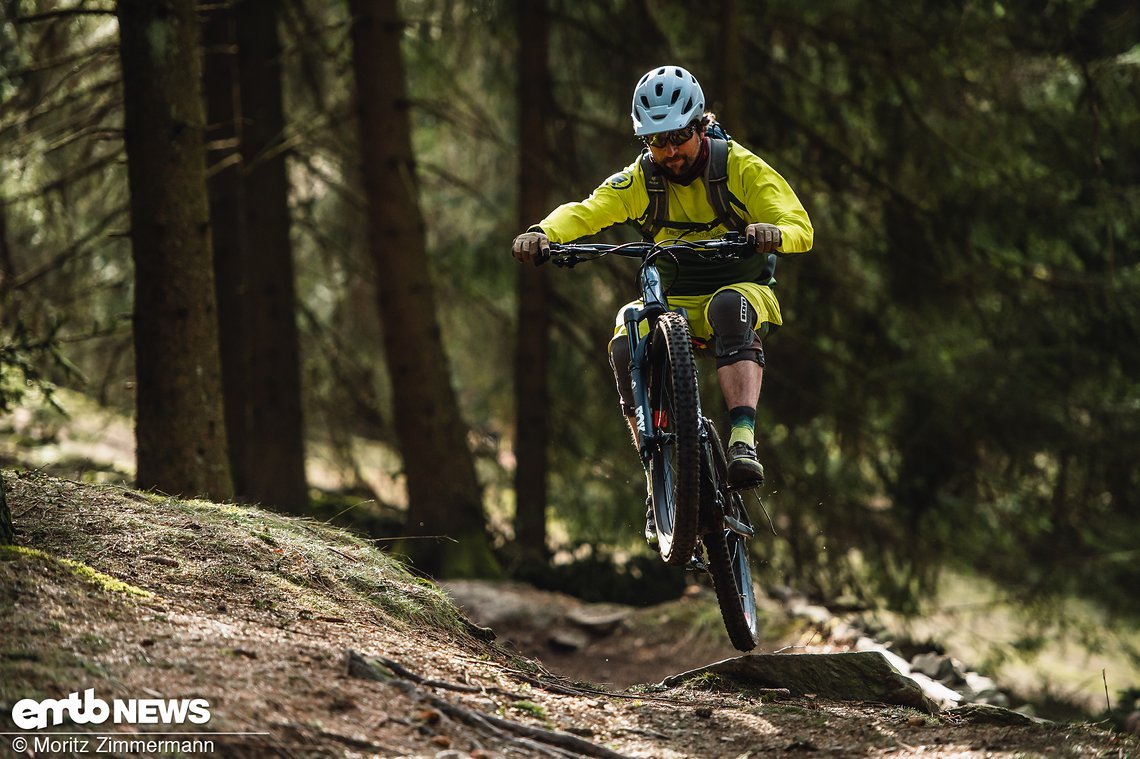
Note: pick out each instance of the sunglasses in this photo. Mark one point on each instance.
(676, 137)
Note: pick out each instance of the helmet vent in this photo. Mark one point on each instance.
(665, 99)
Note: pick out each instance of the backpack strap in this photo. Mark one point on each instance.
(656, 213)
(716, 185)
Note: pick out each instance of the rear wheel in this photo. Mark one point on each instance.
(732, 577)
(675, 467)
(728, 559)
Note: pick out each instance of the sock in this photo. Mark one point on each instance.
(743, 425)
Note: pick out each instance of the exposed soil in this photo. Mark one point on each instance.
(618, 646)
(258, 615)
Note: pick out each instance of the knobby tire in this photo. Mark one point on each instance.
(676, 468)
(728, 559)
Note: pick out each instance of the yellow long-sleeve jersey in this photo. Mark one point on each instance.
(757, 193)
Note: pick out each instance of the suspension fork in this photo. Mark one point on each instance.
(649, 421)
(647, 434)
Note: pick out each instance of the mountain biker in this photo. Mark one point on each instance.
(668, 193)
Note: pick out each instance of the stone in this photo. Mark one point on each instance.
(983, 690)
(568, 639)
(599, 619)
(934, 666)
(987, 714)
(850, 676)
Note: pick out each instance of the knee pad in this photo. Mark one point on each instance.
(619, 362)
(731, 317)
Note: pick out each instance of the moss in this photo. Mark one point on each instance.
(265, 537)
(79, 569)
(707, 681)
(531, 708)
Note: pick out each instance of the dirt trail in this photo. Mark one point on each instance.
(612, 644)
(140, 597)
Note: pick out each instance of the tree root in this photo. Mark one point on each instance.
(535, 740)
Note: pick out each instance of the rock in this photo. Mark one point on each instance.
(852, 676)
(817, 615)
(988, 714)
(569, 639)
(899, 663)
(983, 690)
(935, 666)
(937, 692)
(599, 619)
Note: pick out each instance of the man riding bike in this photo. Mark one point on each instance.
(693, 182)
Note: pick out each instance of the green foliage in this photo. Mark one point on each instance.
(23, 358)
(963, 342)
(956, 380)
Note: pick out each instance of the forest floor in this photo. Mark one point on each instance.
(306, 641)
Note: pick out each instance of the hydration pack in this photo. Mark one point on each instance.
(656, 214)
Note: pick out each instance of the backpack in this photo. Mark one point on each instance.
(716, 185)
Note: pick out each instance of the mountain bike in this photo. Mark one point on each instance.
(701, 520)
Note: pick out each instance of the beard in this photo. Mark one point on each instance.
(678, 164)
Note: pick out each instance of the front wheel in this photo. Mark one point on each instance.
(675, 465)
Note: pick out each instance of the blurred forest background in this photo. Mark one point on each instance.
(276, 235)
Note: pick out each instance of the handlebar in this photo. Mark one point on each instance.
(568, 255)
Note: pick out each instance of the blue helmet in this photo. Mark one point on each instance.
(665, 99)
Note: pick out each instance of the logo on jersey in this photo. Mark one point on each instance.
(621, 180)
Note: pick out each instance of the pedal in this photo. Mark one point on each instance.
(696, 563)
(750, 484)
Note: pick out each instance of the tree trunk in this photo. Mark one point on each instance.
(179, 426)
(7, 268)
(444, 497)
(532, 348)
(227, 220)
(273, 462)
(730, 50)
(7, 531)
